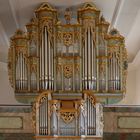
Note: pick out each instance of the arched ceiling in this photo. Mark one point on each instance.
(122, 14)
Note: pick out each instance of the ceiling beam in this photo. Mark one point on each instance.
(14, 13)
(116, 13)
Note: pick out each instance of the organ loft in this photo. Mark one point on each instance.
(68, 65)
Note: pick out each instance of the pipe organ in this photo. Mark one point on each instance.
(70, 67)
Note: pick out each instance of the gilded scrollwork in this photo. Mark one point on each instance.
(67, 116)
(68, 70)
(10, 64)
(68, 38)
(34, 116)
(125, 66)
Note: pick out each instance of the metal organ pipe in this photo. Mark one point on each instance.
(113, 67)
(111, 85)
(17, 72)
(120, 71)
(49, 62)
(43, 116)
(19, 78)
(88, 57)
(90, 123)
(46, 58)
(20, 64)
(22, 68)
(20, 71)
(116, 76)
(110, 82)
(91, 117)
(97, 61)
(55, 80)
(25, 73)
(113, 80)
(118, 79)
(86, 60)
(51, 58)
(106, 68)
(23, 59)
(112, 73)
(83, 65)
(42, 60)
(92, 60)
(73, 67)
(94, 64)
(115, 72)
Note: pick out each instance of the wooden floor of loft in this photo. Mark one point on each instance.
(68, 138)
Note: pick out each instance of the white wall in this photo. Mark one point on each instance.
(137, 96)
(6, 91)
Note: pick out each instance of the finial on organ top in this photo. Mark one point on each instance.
(102, 18)
(68, 15)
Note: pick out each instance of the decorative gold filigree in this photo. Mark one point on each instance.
(88, 6)
(45, 7)
(89, 95)
(68, 70)
(34, 116)
(92, 99)
(68, 38)
(124, 68)
(10, 65)
(67, 116)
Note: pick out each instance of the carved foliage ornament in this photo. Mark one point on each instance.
(68, 70)
(67, 116)
(68, 39)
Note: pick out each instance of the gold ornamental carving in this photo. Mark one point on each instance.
(67, 116)
(68, 39)
(68, 70)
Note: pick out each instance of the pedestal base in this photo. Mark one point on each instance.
(68, 138)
